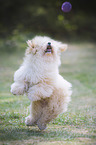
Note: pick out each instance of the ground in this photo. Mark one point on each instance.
(77, 126)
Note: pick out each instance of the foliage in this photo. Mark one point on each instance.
(47, 17)
(15, 42)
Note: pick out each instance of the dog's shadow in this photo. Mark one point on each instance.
(30, 132)
(33, 133)
(12, 134)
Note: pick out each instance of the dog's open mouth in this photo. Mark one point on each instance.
(49, 48)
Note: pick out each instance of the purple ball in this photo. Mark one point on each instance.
(66, 7)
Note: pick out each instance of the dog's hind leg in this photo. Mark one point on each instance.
(35, 112)
(46, 116)
(54, 106)
(49, 112)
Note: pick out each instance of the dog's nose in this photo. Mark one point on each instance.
(49, 43)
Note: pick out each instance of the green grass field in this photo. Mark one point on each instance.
(77, 126)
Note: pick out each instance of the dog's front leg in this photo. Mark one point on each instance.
(20, 85)
(39, 91)
(18, 88)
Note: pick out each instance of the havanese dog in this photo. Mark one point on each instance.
(38, 77)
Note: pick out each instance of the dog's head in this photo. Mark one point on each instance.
(45, 48)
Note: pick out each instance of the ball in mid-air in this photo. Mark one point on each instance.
(66, 7)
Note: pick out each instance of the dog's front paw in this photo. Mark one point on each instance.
(33, 95)
(17, 89)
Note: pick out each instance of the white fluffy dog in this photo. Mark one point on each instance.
(39, 78)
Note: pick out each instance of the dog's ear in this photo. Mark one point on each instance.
(30, 47)
(29, 42)
(63, 47)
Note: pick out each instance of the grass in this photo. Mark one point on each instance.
(77, 126)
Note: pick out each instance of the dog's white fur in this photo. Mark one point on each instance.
(39, 78)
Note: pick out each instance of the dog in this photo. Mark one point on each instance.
(38, 77)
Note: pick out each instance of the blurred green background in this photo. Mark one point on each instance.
(46, 17)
